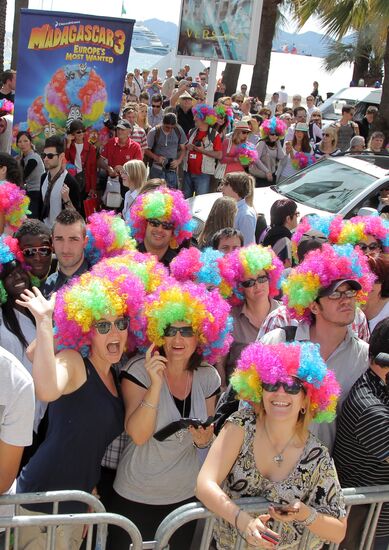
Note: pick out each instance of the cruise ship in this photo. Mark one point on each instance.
(146, 41)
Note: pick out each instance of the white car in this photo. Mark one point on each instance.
(358, 97)
(335, 185)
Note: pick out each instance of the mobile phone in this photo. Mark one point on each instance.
(194, 85)
(269, 537)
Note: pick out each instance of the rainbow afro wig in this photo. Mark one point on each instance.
(107, 235)
(9, 252)
(145, 267)
(247, 262)
(319, 269)
(6, 107)
(13, 205)
(208, 267)
(166, 205)
(357, 230)
(223, 111)
(206, 311)
(273, 363)
(273, 125)
(205, 113)
(92, 297)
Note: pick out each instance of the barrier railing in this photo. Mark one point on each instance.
(99, 517)
(375, 496)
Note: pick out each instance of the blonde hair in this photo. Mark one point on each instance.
(136, 172)
(222, 215)
(334, 134)
(152, 185)
(142, 111)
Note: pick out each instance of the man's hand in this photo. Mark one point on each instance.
(65, 193)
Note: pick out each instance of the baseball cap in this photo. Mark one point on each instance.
(355, 285)
(124, 125)
(301, 127)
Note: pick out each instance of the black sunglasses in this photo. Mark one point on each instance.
(165, 225)
(103, 327)
(371, 247)
(291, 389)
(251, 282)
(171, 331)
(79, 132)
(33, 251)
(49, 155)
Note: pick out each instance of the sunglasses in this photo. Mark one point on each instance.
(49, 155)
(251, 282)
(165, 225)
(79, 132)
(291, 389)
(154, 106)
(186, 332)
(103, 327)
(338, 294)
(327, 135)
(371, 247)
(37, 250)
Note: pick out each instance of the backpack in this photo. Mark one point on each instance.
(228, 403)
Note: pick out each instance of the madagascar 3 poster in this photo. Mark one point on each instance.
(70, 66)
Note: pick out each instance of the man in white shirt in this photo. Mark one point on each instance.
(283, 96)
(168, 84)
(139, 82)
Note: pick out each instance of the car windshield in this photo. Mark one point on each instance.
(327, 185)
(332, 110)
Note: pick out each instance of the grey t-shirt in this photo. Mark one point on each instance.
(348, 362)
(166, 145)
(17, 401)
(165, 472)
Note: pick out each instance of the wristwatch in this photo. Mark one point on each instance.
(311, 518)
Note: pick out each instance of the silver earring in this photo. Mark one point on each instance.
(303, 410)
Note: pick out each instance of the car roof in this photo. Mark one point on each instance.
(374, 165)
(356, 93)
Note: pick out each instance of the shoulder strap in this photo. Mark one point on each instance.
(290, 333)
(157, 135)
(211, 134)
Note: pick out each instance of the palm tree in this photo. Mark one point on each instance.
(340, 16)
(19, 4)
(3, 15)
(231, 77)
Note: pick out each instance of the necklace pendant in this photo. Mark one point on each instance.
(278, 459)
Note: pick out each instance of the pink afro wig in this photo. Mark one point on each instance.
(319, 269)
(273, 125)
(206, 311)
(166, 205)
(92, 297)
(13, 205)
(247, 262)
(207, 266)
(108, 235)
(357, 230)
(269, 364)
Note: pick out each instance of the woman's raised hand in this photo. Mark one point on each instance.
(155, 365)
(37, 304)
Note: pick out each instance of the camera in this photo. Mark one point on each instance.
(168, 164)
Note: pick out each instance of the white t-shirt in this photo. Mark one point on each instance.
(55, 198)
(381, 315)
(77, 160)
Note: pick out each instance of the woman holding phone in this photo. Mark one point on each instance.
(266, 450)
(185, 324)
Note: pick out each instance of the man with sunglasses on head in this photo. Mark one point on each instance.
(69, 241)
(59, 190)
(327, 312)
(34, 238)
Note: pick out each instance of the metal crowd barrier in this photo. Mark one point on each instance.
(375, 496)
(98, 517)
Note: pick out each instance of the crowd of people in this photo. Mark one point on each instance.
(126, 334)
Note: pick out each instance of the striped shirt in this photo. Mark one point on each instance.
(362, 440)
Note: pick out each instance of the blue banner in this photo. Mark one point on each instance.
(70, 66)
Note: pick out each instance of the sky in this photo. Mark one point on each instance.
(168, 10)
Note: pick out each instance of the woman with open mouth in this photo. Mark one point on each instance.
(94, 317)
(185, 325)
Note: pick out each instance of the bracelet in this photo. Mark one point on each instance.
(310, 519)
(144, 403)
(66, 203)
(206, 445)
(236, 519)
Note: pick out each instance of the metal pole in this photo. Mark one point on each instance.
(211, 82)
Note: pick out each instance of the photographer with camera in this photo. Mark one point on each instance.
(166, 149)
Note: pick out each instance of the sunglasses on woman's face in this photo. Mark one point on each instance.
(186, 332)
(291, 389)
(251, 282)
(103, 327)
(371, 247)
(33, 251)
